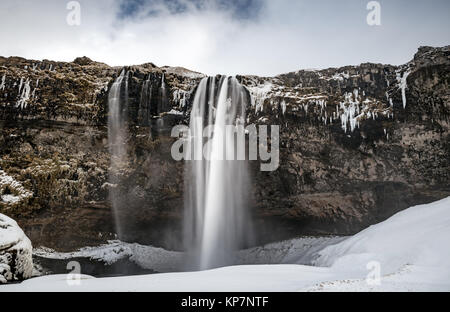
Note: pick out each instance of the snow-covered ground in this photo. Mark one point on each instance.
(408, 252)
(296, 251)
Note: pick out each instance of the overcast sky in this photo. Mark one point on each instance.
(263, 37)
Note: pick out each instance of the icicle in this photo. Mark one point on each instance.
(402, 80)
(25, 96)
(20, 84)
(2, 85)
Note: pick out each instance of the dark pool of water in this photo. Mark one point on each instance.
(95, 268)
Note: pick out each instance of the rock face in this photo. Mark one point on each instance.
(16, 261)
(358, 144)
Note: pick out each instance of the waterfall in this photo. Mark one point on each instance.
(216, 221)
(164, 103)
(144, 113)
(117, 104)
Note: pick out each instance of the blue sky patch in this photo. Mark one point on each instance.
(239, 9)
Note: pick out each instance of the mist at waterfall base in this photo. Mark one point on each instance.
(216, 221)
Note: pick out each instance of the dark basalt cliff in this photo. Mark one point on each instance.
(358, 144)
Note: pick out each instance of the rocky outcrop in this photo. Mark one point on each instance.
(358, 144)
(16, 261)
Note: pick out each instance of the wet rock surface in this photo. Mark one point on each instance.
(357, 145)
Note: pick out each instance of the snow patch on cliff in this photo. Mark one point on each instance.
(175, 112)
(16, 192)
(340, 76)
(181, 71)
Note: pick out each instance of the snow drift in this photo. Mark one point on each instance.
(411, 249)
(16, 261)
(419, 236)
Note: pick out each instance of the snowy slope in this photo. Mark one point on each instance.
(419, 236)
(411, 249)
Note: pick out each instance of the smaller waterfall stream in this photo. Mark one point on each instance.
(145, 105)
(117, 133)
(116, 121)
(164, 102)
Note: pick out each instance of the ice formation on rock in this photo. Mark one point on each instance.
(24, 97)
(2, 85)
(402, 81)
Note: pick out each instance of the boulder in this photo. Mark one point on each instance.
(83, 61)
(16, 261)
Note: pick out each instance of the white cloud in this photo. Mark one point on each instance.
(286, 36)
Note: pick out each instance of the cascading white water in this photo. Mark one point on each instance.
(115, 116)
(163, 104)
(117, 99)
(216, 223)
(144, 113)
